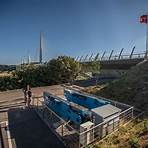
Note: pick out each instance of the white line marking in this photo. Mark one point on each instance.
(8, 135)
(3, 122)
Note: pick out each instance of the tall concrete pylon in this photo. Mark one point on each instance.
(41, 48)
(29, 59)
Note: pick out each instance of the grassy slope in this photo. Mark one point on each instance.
(134, 135)
(5, 73)
(132, 89)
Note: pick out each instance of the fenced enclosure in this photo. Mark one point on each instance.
(61, 128)
(71, 135)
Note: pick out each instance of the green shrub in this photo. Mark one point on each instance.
(61, 70)
(115, 139)
(146, 125)
(133, 141)
(96, 146)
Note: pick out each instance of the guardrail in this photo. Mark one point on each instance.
(115, 57)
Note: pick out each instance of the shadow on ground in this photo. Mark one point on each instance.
(29, 131)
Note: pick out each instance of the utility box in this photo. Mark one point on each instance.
(109, 115)
(87, 137)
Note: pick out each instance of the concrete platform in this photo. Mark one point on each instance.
(27, 130)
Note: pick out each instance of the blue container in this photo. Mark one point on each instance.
(64, 109)
(84, 100)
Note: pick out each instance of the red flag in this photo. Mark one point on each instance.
(144, 19)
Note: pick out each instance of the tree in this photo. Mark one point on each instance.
(63, 69)
(92, 67)
(27, 75)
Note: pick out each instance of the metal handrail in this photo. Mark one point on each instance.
(116, 57)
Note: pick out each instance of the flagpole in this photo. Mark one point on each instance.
(146, 54)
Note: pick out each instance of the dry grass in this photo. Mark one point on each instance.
(133, 135)
(5, 73)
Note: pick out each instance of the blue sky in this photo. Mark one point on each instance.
(71, 27)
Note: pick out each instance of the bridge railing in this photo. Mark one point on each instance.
(115, 57)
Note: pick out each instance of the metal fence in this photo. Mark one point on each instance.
(103, 129)
(125, 57)
(61, 128)
(71, 136)
(116, 57)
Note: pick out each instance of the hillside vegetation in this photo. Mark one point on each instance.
(60, 70)
(133, 135)
(132, 89)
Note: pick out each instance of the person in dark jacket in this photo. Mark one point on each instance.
(29, 94)
(25, 95)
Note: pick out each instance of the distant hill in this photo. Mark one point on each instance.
(7, 67)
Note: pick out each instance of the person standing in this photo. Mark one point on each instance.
(25, 95)
(29, 95)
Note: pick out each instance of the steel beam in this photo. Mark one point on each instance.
(111, 54)
(120, 53)
(90, 58)
(96, 57)
(77, 58)
(80, 59)
(132, 52)
(85, 58)
(103, 55)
